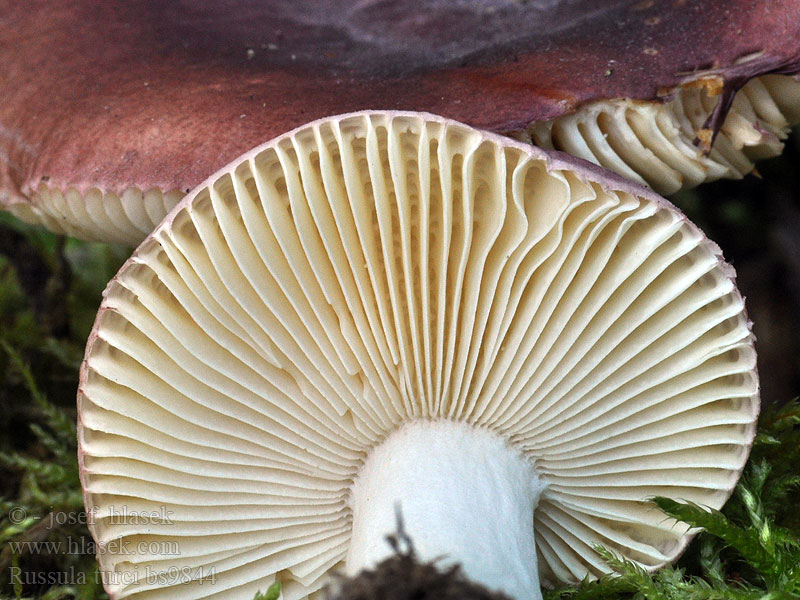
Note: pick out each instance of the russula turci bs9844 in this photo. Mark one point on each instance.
(110, 112)
(515, 347)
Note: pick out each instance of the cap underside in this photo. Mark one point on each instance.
(372, 269)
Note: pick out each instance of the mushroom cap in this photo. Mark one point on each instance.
(110, 112)
(371, 269)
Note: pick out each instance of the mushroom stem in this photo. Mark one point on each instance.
(465, 497)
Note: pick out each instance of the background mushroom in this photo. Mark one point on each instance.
(394, 307)
(680, 144)
(111, 112)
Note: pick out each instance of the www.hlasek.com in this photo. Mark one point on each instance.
(83, 545)
(146, 575)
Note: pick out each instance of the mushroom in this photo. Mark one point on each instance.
(657, 144)
(111, 112)
(393, 311)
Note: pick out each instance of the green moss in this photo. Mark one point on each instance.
(50, 288)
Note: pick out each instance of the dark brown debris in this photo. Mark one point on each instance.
(403, 577)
